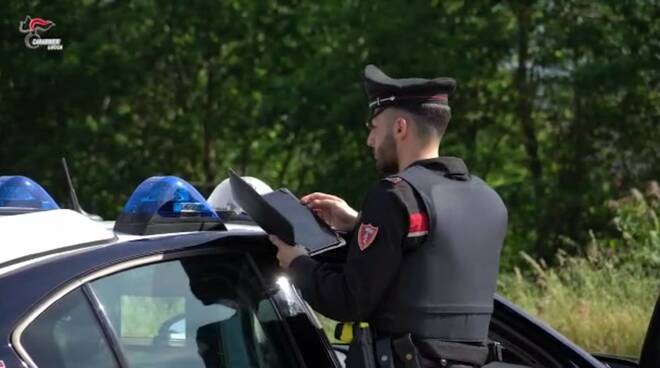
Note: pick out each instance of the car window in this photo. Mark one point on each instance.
(202, 311)
(68, 335)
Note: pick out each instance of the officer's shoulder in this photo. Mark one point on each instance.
(387, 194)
(392, 186)
(393, 180)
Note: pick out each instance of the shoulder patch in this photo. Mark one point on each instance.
(366, 235)
(393, 179)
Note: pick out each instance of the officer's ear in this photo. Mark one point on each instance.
(401, 127)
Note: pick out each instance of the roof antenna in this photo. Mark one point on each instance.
(74, 197)
(72, 191)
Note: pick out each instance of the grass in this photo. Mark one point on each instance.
(594, 304)
(600, 307)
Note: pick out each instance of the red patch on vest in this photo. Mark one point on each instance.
(419, 225)
(366, 235)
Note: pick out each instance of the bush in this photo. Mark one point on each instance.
(603, 298)
(594, 304)
(637, 221)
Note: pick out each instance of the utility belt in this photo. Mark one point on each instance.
(369, 351)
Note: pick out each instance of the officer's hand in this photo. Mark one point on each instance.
(286, 253)
(332, 209)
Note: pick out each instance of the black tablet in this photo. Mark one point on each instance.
(281, 213)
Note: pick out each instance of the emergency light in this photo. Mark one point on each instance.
(19, 194)
(166, 204)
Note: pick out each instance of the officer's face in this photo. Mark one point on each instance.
(381, 140)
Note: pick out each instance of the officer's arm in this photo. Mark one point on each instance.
(352, 293)
(337, 256)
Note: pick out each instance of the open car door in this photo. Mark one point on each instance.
(650, 357)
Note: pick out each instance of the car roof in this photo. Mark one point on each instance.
(30, 237)
(37, 233)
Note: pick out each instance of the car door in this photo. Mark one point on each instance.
(650, 354)
(186, 309)
(199, 311)
(67, 334)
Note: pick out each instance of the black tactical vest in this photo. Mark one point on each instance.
(444, 288)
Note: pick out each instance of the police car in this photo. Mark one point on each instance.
(174, 284)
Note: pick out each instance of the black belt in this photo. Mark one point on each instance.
(434, 353)
(445, 353)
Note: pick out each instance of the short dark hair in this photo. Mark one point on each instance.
(431, 119)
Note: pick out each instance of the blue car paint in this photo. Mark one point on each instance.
(37, 281)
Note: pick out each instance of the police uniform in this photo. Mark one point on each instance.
(422, 262)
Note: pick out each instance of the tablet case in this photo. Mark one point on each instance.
(281, 213)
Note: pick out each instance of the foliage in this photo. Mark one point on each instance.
(557, 102)
(142, 317)
(557, 107)
(637, 220)
(600, 307)
(603, 298)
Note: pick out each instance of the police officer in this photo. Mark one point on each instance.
(423, 254)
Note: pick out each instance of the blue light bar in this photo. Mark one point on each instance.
(166, 204)
(21, 192)
(168, 196)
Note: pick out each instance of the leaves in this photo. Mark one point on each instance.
(273, 89)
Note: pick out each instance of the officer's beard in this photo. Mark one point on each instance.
(387, 161)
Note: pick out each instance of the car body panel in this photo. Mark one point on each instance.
(538, 333)
(43, 276)
(43, 279)
(39, 279)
